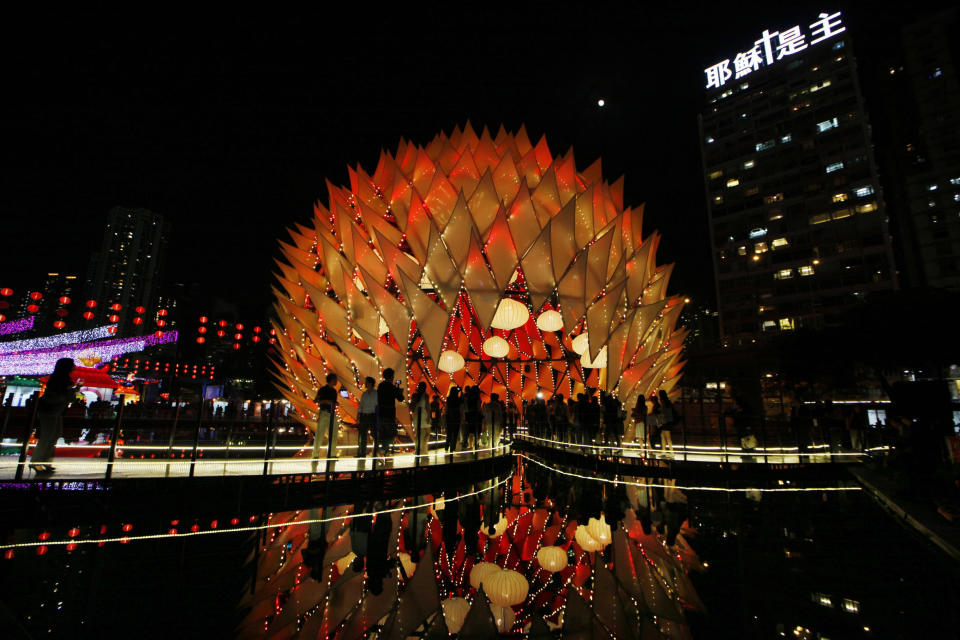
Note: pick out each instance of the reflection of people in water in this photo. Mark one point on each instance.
(360, 534)
(378, 542)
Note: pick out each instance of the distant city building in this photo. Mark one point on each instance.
(128, 267)
(60, 299)
(797, 217)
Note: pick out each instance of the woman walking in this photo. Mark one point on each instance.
(56, 398)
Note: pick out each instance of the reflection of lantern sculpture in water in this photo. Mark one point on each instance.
(505, 587)
(480, 571)
(416, 266)
(454, 612)
(552, 558)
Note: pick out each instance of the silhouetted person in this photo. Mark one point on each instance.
(388, 394)
(366, 415)
(57, 396)
(453, 418)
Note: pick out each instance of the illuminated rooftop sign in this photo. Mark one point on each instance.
(771, 47)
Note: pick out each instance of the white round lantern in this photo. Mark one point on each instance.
(552, 559)
(600, 530)
(503, 616)
(506, 587)
(500, 527)
(510, 315)
(455, 612)
(450, 361)
(480, 571)
(579, 344)
(599, 363)
(496, 347)
(550, 321)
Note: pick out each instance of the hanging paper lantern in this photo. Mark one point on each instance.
(238, 336)
(384, 290)
(88, 315)
(159, 334)
(63, 313)
(586, 541)
(162, 312)
(203, 319)
(496, 347)
(32, 308)
(3, 318)
(91, 304)
(510, 314)
(59, 324)
(600, 531)
(599, 363)
(503, 616)
(550, 321)
(116, 318)
(256, 338)
(221, 333)
(201, 329)
(64, 299)
(480, 571)
(36, 295)
(499, 528)
(236, 346)
(161, 323)
(116, 306)
(137, 320)
(222, 323)
(256, 329)
(580, 344)
(6, 291)
(454, 613)
(506, 587)
(552, 558)
(201, 339)
(450, 361)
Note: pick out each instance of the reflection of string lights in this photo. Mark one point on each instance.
(270, 525)
(653, 485)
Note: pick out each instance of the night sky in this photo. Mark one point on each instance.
(228, 124)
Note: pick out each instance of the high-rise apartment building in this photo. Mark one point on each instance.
(127, 268)
(798, 224)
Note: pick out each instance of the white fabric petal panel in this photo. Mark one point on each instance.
(597, 257)
(456, 234)
(394, 313)
(431, 318)
(546, 198)
(643, 319)
(616, 352)
(599, 317)
(368, 258)
(658, 284)
(538, 270)
(480, 285)
(507, 179)
(441, 271)
(387, 356)
(361, 312)
(365, 363)
(440, 199)
(584, 217)
(637, 275)
(423, 171)
(571, 291)
(523, 221)
(563, 240)
(418, 228)
(484, 204)
(501, 251)
(465, 176)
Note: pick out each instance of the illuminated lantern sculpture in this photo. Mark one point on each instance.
(414, 264)
(552, 558)
(480, 571)
(503, 616)
(454, 613)
(506, 587)
(586, 541)
(600, 531)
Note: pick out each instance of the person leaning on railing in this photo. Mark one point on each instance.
(59, 392)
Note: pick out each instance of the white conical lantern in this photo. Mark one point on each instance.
(480, 571)
(506, 588)
(450, 361)
(510, 315)
(580, 344)
(552, 558)
(599, 363)
(496, 347)
(455, 612)
(503, 616)
(550, 321)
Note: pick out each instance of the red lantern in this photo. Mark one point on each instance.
(161, 323)
(255, 338)
(59, 324)
(221, 333)
(256, 329)
(116, 306)
(159, 334)
(138, 320)
(3, 318)
(141, 309)
(273, 332)
(88, 315)
(162, 312)
(201, 329)
(238, 336)
(236, 346)
(36, 295)
(62, 313)
(32, 308)
(201, 339)
(203, 319)
(239, 327)
(222, 323)
(64, 300)
(272, 340)
(6, 291)
(113, 318)
(91, 304)
(4, 304)
(111, 330)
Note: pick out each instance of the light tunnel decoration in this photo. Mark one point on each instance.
(408, 267)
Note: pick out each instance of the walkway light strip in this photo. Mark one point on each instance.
(687, 488)
(188, 534)
(722, 452)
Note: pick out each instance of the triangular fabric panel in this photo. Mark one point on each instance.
(431, 317)
(480, 285)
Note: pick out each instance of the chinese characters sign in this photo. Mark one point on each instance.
(773, 46)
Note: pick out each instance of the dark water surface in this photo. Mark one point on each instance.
(567, 554)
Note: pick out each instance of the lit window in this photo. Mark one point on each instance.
(760, 247)
(776, 197)
(821, 599)
(955, 180)
(806, 270)
(838, 45)
(718, 199)
(820, 218)
(786, 138)
(867, 207)
(956, 197)
(827, 125)
(786, 324)
(931, 203)
(709, 140)
(748, 164)
(783, 274)
(775, 214)
(779, 242)
(851, 606)
(839, 214)
(758, 232)
(863, 191)
(769, 325)
(760, 146)
(932, 187)
(834, 166)
(742, 250)
(732, 182)
(840, 197)
(716, 174)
